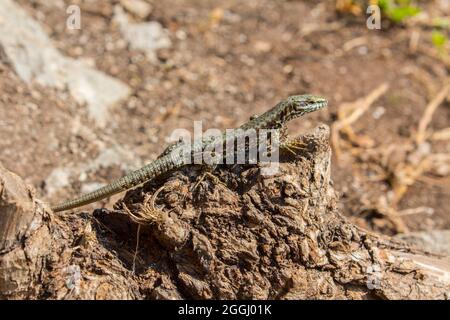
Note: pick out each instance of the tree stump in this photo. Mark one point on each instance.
(236, 235)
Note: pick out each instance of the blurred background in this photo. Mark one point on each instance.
(90, 89)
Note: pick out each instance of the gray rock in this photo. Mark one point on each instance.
(92, 186)
(61, 177)
(147, 36)
(58, 179)
(29, 50)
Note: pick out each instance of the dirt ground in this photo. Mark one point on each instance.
(229, 60)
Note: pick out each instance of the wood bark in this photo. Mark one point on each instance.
(239, 234)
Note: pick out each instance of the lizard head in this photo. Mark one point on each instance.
(302, 104)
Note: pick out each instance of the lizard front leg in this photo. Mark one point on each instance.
(171, 147)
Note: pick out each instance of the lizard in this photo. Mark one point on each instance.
(293, 107)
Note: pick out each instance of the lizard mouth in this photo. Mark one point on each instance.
(310, 103)
(323, 103)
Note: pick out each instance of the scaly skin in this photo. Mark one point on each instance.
(291, 108)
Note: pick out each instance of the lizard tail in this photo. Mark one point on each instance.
(99, 194)
(132, 179)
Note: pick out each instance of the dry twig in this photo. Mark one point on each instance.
(429, 111)
(348, 113)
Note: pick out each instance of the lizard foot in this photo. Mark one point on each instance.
(293, 146)
(171, 147)
(207, 173)
(148, 212)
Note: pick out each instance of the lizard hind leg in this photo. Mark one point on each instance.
(293, 146)
(148, 213)
(207, 172)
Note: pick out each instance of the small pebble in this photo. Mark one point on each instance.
(363, 50)
(378, 112)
